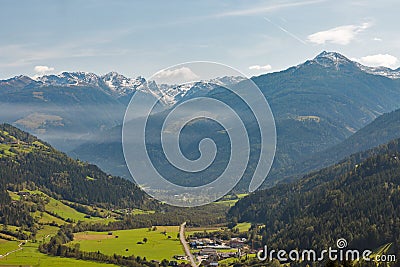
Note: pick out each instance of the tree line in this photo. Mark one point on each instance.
(357, 199)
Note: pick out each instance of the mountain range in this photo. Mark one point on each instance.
(71, 108)
(317, 105)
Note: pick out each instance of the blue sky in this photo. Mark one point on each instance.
(141, 37)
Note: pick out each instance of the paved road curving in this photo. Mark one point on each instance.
(185, 245)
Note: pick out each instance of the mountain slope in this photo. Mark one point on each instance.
(316, 105)
(357, 199)
(383, 129)
(105, 151)
(24, 159)
(65, 111)
(320, 103)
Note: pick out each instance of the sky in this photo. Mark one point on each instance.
(138, 38)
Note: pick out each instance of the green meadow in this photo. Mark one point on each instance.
(243, 227)
(162, 243)
(30, 255)
(66, 212)
(6, 246)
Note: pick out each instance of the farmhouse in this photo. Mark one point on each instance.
(237, 242)
(23, 194)
(208, 252)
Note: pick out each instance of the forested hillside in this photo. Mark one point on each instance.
(357, 199)
(26, 162)
(383, 129)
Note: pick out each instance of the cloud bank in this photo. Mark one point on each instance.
(384, 60)
(176, 76)
(42, 70)
(341, 35)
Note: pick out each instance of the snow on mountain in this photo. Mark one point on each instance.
(70, 79)
(120, 84)
(227, 80)
(17, 82)
(332, 59)
(171, 94)
(199, 89)
(338, 61)
(382, 71)
(114, 82)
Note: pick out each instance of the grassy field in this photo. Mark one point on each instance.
(161, 243)
(64, 211)
(231, 261)
(138, 212)
(47, 218)
(14, 196)
(5, 151)
(10, 150)
(6, 246)
(243, 227)
(30, 256)
(14, 228)
(102, 212)
(54, 206)
(231, 202)
(157, 247)
(46, 232)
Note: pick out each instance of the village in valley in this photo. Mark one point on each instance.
(209, 250)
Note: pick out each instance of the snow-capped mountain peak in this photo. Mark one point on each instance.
(114, 82)
(19, 81)
(70, 79)
(171, 94)
(227, 80)
(120, 84)
(339, 62)
(332, 59)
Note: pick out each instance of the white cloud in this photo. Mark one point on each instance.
(385, 60)
(175, 76)
(258, 67)
(378, 39)
(42, 70)
(342, 35)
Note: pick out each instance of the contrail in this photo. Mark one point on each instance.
(286, 31)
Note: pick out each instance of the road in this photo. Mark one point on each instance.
(185, 245)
